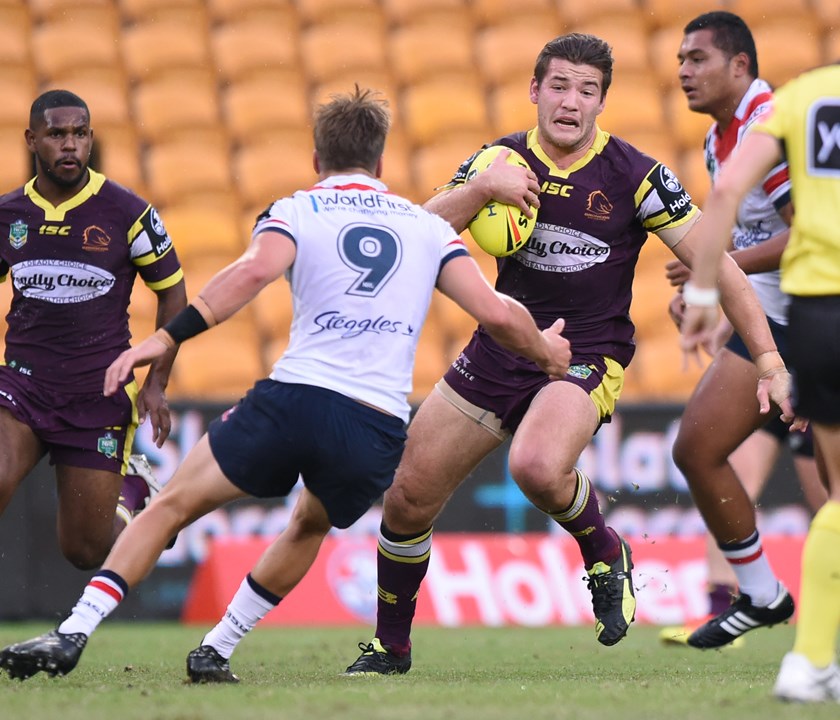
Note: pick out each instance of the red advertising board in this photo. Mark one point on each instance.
(532, 579)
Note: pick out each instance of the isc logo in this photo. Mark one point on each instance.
(550, 188)
(54, 230)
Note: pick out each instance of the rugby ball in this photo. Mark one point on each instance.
(497, 228)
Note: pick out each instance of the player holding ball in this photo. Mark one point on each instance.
(598, 198)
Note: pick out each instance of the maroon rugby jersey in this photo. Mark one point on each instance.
(73, 268)
(593, 219)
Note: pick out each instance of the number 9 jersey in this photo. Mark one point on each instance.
(366, 265)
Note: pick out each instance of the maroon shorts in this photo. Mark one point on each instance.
(87, 430)
(504, 384)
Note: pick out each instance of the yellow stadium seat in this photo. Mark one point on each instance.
(420, 51)
(273, 167)
(198, 231)
(223, 11)
(378, 80)
(345, 44)
(59, 46)
(190, 168)
(17, 166)
(694, 175)
(156, 48)
(538, 13)
(443, 106)
(255, 45)
(314, 12)
(687, 127)
(664, 46)
(759, 11)
(83, 11)
(510, 107)
(660, 146)
(272, 350)
(507, 52)
(430, 360)
(18, 91)
(103, 88)
(118, 149)
(627, 36)
(396, 163)
(220, 365)
(577, 13)
(265, 103)
(786, 49)
(15, 42)
(140, 11)
(410, 12)
(273, 311)
(661, 13)
(435, 163)
(175, 103)
(633, 104)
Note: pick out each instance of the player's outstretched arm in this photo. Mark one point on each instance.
(267, 258)
(507, 320)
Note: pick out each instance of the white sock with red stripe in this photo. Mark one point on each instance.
(103, 593)
(752, 568)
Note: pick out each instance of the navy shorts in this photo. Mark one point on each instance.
(814, 333)
(87, 430)
(801, 443)
(780, 336)
(345, 452)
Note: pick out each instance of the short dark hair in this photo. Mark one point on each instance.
(580, 49)
(350, 130)
(54, 99)
(730, 34)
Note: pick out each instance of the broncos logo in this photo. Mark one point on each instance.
(95, 239)
(598, 203)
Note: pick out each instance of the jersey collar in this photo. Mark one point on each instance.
(57, 212)
(598, 144)
(352, 181)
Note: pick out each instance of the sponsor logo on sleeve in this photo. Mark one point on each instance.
(823, 138)
(673, 195)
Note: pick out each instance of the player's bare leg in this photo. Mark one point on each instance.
(443, 447)
(557, 427)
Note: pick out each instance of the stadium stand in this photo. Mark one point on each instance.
(203, 106)
(256, 45)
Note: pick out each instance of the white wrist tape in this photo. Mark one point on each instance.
(700, 297)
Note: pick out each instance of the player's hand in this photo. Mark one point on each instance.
(676, 309)
(151, 402)
(697, 330)
(560, 351)
(774, 389)
(118, 371)
(677, 273)
(513, 184)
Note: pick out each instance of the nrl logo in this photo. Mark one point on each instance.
(18, 232)
(107, 445)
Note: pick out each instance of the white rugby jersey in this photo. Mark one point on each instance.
(366, 265)
(757, 217)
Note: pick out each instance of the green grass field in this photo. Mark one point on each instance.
(136, 672)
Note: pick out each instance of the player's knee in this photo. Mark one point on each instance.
(86, 555)
(404, 511)
(535, 476)
(687, 456)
